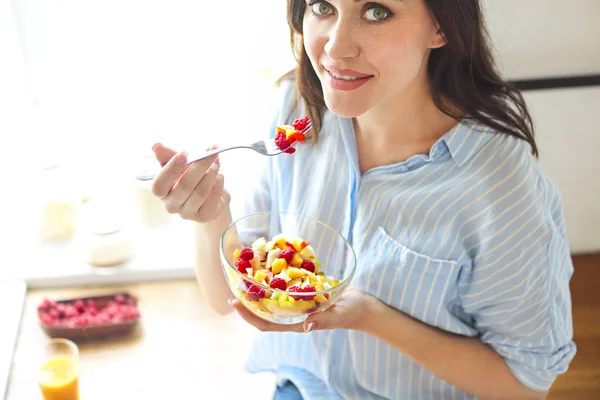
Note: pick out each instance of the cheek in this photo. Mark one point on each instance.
(398, 55)
(314, 42)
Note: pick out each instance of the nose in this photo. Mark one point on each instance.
(341, 43)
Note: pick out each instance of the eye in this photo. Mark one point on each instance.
(321, 8)
(377, 13)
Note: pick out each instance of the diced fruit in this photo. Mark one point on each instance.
(300, 123)
(272, 256)
(259, 244)
(236, 253)
(296, 261)
(280, 242)
(242, 265)
(307, 289)
(279, 265)
(278, 283)
(255, 263)
(308, 265)
(287, 254)
(260, 276)
(255, 293)
(320, 298)
(269, 246)
(308, 252)
(295, 272)
(299, 244)
(247, 254)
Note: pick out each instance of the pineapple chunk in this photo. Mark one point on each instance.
(320, 298)
(296, 261)
(255, 262)
(284, 128)
(236, 253)
(318, 267)
(279, 265)
(326, 286)
(335, 283)
(297, 243)
(295, 272)
(319, 287)
(320, 278)
(260, 276)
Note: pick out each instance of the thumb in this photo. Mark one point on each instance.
(162, 153)
(319, 321)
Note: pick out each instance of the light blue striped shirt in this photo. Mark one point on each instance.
(469, 238)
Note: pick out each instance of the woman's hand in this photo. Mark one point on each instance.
(349, 312)
(194, 192)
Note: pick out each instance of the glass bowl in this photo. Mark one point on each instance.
(307, 238)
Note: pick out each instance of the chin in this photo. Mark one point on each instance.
(345, 105)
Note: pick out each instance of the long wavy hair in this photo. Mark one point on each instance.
(462, 73)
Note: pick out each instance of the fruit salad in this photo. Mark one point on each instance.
(290, 269)
(83, 313)
(289, 134)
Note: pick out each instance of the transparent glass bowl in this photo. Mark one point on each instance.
(334, 253)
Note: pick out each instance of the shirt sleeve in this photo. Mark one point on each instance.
(517, 289)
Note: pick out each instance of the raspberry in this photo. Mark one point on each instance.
(308, 265)
(282, 142)
(300, 123)
(291, 150)
(46, 319)
(80, 305)
(242, 265)
(306, 289)
(287, 255)
(278, 283)
(120, 299)
(255, 293)
(247, 254)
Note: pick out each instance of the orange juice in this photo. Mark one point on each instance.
(59, 380)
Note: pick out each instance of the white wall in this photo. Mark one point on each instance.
(553, 38)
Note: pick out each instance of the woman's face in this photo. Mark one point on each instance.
(366, 53)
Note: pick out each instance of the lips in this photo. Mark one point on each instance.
(346, 73)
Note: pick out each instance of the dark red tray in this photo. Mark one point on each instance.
(96, 331)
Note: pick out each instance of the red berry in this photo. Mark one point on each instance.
(247, 254)
(287, 255)
(242, 265)
(291, 150)
(308, 265)
(278, 283)
(300, 123)
(255, 293)
(79, 305)
(53, 313)
(91, 303)
(46, 319)
(120, 299)
(306, 289)
(71, 312)
(282, 142)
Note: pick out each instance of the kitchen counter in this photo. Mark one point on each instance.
(180, 350)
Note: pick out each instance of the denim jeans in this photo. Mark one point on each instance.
(288, 391)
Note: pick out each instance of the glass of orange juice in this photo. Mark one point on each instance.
(58, 375)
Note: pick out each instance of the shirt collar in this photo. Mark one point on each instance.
(465, 140)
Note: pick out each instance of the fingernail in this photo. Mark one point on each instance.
(181, 158)
(310, 327)
(156, 146)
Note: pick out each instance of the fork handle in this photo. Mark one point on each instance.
(203, 155)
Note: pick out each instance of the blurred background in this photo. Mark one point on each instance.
(87, 87)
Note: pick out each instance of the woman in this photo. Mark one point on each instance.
(425, 161)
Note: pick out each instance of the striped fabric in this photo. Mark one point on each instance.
(469, 238)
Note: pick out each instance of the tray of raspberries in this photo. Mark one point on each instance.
(89, 317)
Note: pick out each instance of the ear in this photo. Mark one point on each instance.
(438, 40)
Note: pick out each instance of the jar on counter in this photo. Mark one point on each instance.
(151, 210)
(108, 241)
(59, 204)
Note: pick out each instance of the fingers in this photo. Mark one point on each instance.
(162, 153)
(261, 324)
(163, 182)
(214, 202)
(186, 185)
(198, 200)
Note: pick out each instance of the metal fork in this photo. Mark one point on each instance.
(264, 147)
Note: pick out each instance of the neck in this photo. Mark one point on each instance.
(400, 127)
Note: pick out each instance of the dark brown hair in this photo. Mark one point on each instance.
(462, 73)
